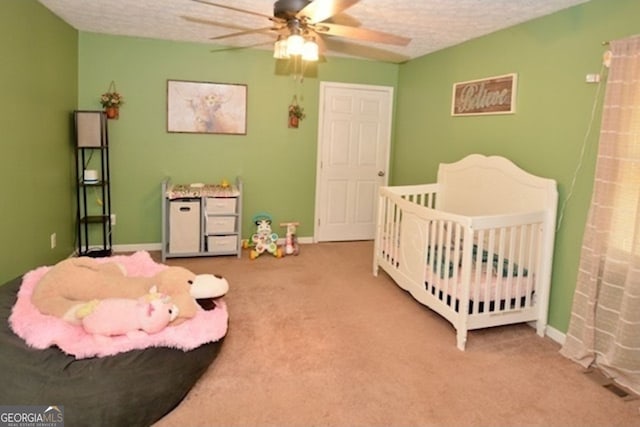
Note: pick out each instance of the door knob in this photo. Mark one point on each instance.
(381, 173)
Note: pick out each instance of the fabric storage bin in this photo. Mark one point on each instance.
(184, 220)
(220, 224)
(220, 205)
(222, 243)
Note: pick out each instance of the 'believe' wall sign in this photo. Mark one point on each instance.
(493, 95)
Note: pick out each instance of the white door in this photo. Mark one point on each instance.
(354, 138)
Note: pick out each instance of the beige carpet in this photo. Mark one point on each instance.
(317, 340)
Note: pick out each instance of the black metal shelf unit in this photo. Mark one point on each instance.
(94, 226)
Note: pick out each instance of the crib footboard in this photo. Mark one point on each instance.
(476, 272)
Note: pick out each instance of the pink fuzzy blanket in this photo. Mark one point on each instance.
(42, 331)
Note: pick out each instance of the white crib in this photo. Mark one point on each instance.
(476, 247)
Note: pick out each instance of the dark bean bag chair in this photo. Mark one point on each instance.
(135, 388)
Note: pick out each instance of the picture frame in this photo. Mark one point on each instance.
(491, 95)
(206, 107)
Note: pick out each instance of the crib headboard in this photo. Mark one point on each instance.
(479, 185)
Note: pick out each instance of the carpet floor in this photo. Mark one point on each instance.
(318, 340)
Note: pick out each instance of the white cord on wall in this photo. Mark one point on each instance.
(582, 150)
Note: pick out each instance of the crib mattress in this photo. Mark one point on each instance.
(490, 287)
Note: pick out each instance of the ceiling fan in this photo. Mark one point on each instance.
(308, 27)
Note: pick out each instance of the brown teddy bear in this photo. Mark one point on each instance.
(73, 282)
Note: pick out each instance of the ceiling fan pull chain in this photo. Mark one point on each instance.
(295, 67)
(303, 69)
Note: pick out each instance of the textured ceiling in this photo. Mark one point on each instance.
(431, 24)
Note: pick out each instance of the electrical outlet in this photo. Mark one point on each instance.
(113, 219)
(592, 78)
(53, 240)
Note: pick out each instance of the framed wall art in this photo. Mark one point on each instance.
(492, 95)
(203, 107)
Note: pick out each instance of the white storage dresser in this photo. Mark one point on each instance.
(201, 220)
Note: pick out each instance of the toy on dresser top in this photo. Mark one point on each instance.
(199, 189)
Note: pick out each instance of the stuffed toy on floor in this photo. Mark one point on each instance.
(74, 282)
(120, 316)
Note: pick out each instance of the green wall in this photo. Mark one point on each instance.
(277, 164)
(551, 55)
(52, 70)
(38, 86)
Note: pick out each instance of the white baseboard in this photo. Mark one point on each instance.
(158, 246)
(138, 247)
(552, 333)
(556, 335)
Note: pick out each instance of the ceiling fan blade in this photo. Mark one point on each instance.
(243, 33)
(344, 19)
(361, 34)
(224, 6)
(319, 10)
(212, 23)
(229, 48)
(368, 52)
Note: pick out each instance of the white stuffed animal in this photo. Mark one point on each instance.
(120, 316)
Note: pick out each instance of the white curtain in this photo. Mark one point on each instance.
(604, 329)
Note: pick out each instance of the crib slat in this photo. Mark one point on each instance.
(388, 236)
(438, 251)
(498, 277)
(457, 262)
(393, 233)
(477, 265)
(524, 237)
(431, 236)
(507, 261)
(383, 238)
(445, 258)
(534, 254)
(488, 273)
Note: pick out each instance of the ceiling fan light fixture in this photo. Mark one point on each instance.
(295, 44)
(280, 48)
(297, 20)
(310, 50)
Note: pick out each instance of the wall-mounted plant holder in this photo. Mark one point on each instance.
(296, 113)
(112, 113)
(111, 101)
